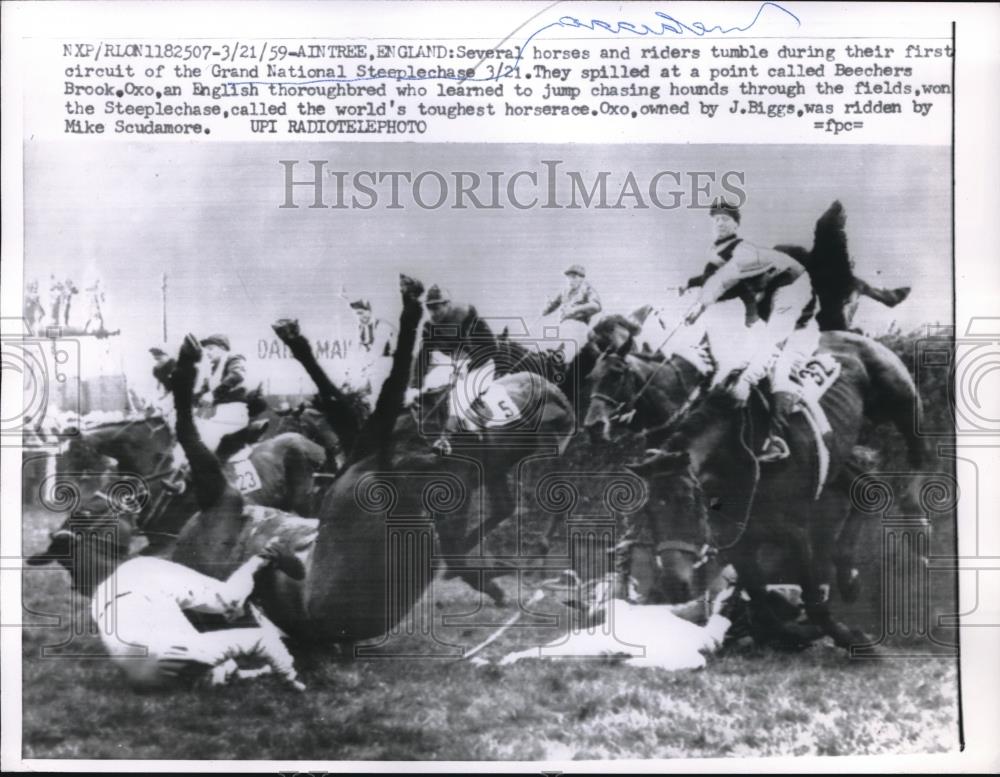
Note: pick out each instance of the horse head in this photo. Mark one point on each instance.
(89, 546)
(138, 445)
(706, 462)
(676, 517)
(612, 385)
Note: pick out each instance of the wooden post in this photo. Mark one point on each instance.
(163, 304)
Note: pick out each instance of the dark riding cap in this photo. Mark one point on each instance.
(576, 269)
(157, 352)
(361, 304)
(220, 340)
(436, 295)
(720, 205)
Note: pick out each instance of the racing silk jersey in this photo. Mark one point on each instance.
(226, 380)
(375, 338)
(579, 304)
(744, 267)
(462, 333)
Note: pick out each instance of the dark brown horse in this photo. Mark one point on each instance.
(565, 372)
(637, 392)
(279, 472)
(709, 459)
(430, 438)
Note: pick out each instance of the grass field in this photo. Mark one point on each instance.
(751, 702)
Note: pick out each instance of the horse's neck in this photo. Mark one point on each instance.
(665, 385)
(213, 541)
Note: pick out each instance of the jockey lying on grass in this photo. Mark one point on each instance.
(139, 611)
(775, 288)
(663, 636)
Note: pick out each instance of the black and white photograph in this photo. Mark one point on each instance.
(347, 450)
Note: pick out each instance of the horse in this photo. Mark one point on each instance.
(278, 472)
(352, 556)
(708, 458)
(476, 438)
(307, 419)
(637, 391)
(512, 356)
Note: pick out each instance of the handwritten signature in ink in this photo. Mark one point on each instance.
(665, 25)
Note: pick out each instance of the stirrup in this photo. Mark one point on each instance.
(775, 449)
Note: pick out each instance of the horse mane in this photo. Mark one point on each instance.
(607, 324)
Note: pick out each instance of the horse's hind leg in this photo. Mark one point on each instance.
(813, 574)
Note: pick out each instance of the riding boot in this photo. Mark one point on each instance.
(775, 448)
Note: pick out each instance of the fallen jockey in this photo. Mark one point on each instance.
(663, 636)
(139, 612)
(776, 289)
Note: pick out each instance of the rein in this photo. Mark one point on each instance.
(745, 421)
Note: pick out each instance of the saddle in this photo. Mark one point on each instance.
(813, 378)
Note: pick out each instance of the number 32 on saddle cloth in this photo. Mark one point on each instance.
(813, 378)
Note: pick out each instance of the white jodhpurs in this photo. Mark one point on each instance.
(229, 417)
(800, 345)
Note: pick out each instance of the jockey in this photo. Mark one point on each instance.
(456, 346)
(374, 347)
(223, 391)
(139, 611)
(577, 303)
(777, 289)
(454, 331)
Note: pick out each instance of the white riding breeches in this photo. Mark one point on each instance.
(575, 331)
(229, 417)
(800, 345)
(140, 618)
(730, 340)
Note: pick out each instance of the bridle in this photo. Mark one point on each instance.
(623, 410)
(163, 468)
(701, 554)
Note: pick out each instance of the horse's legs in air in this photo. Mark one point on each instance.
(337, 410)
(208, 479)
(376, 434)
